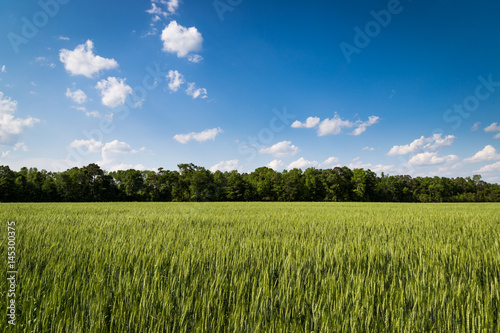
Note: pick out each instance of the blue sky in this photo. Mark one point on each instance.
(401, 87)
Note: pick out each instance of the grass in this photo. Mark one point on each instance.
(255, 267)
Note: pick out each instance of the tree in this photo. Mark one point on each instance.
(131, 184)
(266, 183)
(293, 186)
(194, 183)
(7, 184)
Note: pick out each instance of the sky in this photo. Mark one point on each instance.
(400, 87)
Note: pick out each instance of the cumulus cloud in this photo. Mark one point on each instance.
(112, 150)
(2, 69)
(276, 164)
(181, 40)
(111, 153)
(489, 153)
(372, 120)
(123, 166)
(196, 92)
(369, 148)
(83, 61)
(176, 79)
(156, 11)
(20, 146)
(63, 38)
(492, 128)
(205, 135)
(91, 145)
(114, 91)
(377, 168)
(475, 127)
(194, 58)
(309, 123)
(329, 162)
(431, 158)
(432, 143)
(227, 166)
(10, 126)
(281, 149)
(164, 8)
(95, 114)
(78, 96)
(495, 167)
(302, 163)
(335, 125)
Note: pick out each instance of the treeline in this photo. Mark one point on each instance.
(194, 183)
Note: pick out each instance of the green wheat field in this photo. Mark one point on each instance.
(254, 267)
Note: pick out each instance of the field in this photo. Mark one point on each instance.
(255, 267)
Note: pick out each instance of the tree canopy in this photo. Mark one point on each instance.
(195, 183)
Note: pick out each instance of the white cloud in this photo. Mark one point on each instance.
(123, 166)
(63, 38)
(377, 168)
(176, 80)
(329, 162)
(11, 127)
(302, 163)
(5, 153)
(91, 146)
(309, 123)
(78, 96)
(335, 125)
(495, 167)
(3, 69)
(42, 61)
(205, 135)
(439, 141)
(492, 128)
(112, 150)
(492, 180)
(82, 61)
(431, 158)
(475, 127)
(372, 120)
(423, 143)
(369, 148)
(20, 146)
(281, 149)
(156, 11)
(196, 92)
(114, 91)
(276, 165)
(194, 58)
(111, 153)
(181, 40)
(172, 5)
(489, 153)
(227, 166)
(171, 8)
(95, 114)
